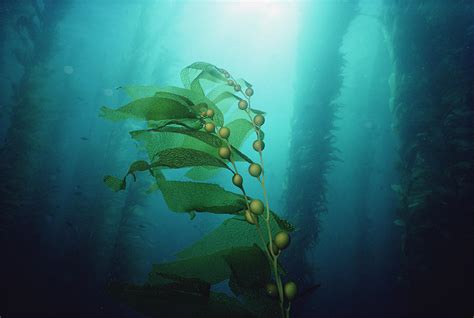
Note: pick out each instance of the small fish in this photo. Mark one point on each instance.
(84, 138)
(399, 222)
(142, 226)
(77, 192)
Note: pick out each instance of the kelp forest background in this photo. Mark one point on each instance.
(369, 148)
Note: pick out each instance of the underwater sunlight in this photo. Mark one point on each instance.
(237, 158)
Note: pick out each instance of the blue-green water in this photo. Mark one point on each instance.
(368, 154)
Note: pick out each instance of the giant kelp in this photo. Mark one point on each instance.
(312, 151)
(432, 99)
(27, 140)
(27, 188)
(181, 133)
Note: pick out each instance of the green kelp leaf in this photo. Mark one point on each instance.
(182, 95)
(190, 123)
(234, 232)
(259, 303)
(185, 157)
(136, 91)
(222, 305)
(173, 281)
(156, 140)
(177, 97)
(240, 130)
(243, 83)
(205, 173)
(182, 196)
(115, 183)
(250, 272)
(238, 154)
(249, 269)
(191, 75)
(212, 268)
(197, 99)
(247, 266)
(138, 166)
(257, 112)
(177, 299)
(149, 108)
(224, 97)
(210, 139)
(170, 137)
(197, 84)
(193, 100)
(202, 173)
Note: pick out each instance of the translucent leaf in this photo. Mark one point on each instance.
(247, 268)
(257, 112)
(224, 97)
(238, 155)
(200, 197)
(190, 123)
(149, 108)
(172, 137)
(178, 298)
(115, 183)
(136, 166)
(172, 95)
(184, 157)
(250, 272)
(240, 130)
(211, 268)
(205, 173)
(197, 85)
(197, 99)
(243, 83)
(191, 73)
(156, 140)
(234, 232)
(257, 301)
(140, 165)
(250, 269)
(202, 173)
(137, 92)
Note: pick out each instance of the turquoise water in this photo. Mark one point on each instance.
(368, 155)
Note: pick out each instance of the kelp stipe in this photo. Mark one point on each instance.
(186, 128)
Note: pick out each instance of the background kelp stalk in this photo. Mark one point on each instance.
(433, 102)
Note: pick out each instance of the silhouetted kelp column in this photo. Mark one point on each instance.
(433, 101)
(26, 139)
(311, 151)
(28, 143)
(128, 260)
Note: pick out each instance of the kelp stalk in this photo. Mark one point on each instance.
(273, 257)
